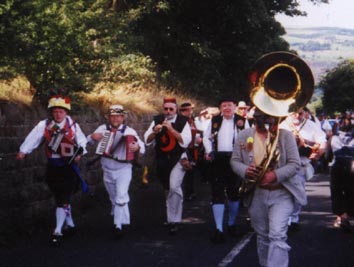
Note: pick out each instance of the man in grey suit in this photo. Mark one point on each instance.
(276, 188)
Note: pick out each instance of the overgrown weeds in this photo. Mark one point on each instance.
(138, 99)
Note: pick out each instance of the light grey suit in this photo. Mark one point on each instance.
(270, 209)
(287, 167)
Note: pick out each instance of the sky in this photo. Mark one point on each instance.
(338, 13)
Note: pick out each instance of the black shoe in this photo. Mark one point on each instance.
(218, 237)
(173, 229)
(232, 230)
(118, 233)
(345, 225)
(166, 224)
(191, 197)
(294, 227)
(69, 231)
(55, 240)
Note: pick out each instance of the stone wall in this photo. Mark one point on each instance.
(25, 200)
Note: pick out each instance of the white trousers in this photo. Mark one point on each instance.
(117, 185)
(269, 212)
(174, 201)
(295, 215)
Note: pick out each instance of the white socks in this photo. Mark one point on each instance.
(218, 211)
(60, 219)
(68, 219)
(63, 215)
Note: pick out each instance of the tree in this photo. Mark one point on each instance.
(47, 43)
(68, 44)
(338, 85)
(210, 45)
(203, 47)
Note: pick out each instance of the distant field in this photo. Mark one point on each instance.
(322, 48)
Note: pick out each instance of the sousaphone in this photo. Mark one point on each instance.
(281, 83)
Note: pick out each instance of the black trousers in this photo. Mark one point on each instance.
(224, 182)
(342, 187)
(63, 182)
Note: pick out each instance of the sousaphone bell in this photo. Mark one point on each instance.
(281, 83)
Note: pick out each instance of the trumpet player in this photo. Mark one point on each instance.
(311, 142)
(62, 137)
(271, 202)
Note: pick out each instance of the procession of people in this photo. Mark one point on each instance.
(256, 159)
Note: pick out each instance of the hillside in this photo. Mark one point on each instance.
(322, 48)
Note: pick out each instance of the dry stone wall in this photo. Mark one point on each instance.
(25, 200)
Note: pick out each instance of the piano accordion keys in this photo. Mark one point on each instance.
(104, 147)
(105, 144)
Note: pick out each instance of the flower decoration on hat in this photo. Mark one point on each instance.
(59, 101)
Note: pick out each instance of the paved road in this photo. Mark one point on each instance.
(147, 243)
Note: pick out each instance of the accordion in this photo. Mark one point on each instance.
(55, 142)
(128, 140)
(105, 146)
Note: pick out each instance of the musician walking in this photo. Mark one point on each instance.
(219, 139)
(311, 142)
(115, 162)
(64, 139)
(170, 134)
(193, 152)
(342, 175)
(272, 200)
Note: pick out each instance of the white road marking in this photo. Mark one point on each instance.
(236, 250)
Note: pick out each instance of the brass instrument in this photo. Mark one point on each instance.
(281, 83)
(271, 156)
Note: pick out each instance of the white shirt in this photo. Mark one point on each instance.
(225, 136)
(120, 152)
(324, 125)
(308, 131)
(186, 133)
(36, 136)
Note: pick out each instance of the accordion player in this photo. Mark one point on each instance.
(116, 146)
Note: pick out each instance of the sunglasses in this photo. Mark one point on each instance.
(170, 109)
